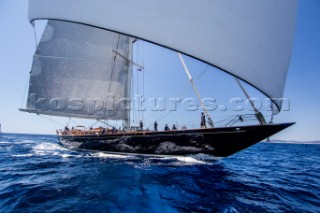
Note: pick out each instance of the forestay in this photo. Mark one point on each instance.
(77, 73)
(249, 39)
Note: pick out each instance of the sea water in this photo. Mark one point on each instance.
(37, 174)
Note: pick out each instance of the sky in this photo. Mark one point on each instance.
(17, 46)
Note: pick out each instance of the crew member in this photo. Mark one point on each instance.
(203, 121)
(155, 126)
(166, 128)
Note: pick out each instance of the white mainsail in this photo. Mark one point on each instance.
(249, 39)
(76, 72)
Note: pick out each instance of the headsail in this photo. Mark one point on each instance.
(249, 39)
(77, 73)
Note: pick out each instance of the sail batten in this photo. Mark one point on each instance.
(248, 39)
(75, 73)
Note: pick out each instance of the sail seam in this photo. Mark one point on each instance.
(70, 58)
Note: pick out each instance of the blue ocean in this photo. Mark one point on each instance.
(37, 174)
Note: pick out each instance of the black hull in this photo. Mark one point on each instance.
(219, 142)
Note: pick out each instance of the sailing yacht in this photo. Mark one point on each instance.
(83, 62)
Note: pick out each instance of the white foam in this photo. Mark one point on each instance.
(5, 142)
(23, 155)
(190, 160)
(67, 155)
(107, 155)
(172, 161)
(187, 160)
(17, 142)
(54, 149)
(48, 149)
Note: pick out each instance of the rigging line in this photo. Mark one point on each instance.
(51, 120)
(131, 94)
(97, 121)
(187, 89)
(78, 124)
(184, 92)
(164, 115)
(25, 90)
(258, 114)
(68, 121)
(142, 70)
(210, 122)
(203, 72)
(35, 36)
(137, 51)
(35, 53)
(234, 119)
(264, 108)
(106, 123)
(140, 80)
(222, 121)
(70, 58)
(143, 79)
(136, 73)
(113, 62)
(138, 92)
(137, 83)
(125, 58)
(143, 43)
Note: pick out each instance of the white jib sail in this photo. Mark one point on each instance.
(249, 39)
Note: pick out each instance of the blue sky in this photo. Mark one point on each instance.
(302, 86)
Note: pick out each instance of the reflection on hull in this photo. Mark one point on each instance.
(219, 142)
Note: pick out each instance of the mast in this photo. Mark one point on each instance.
(127, 120)
(210, 122)
(257, 113)
(131, 64)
